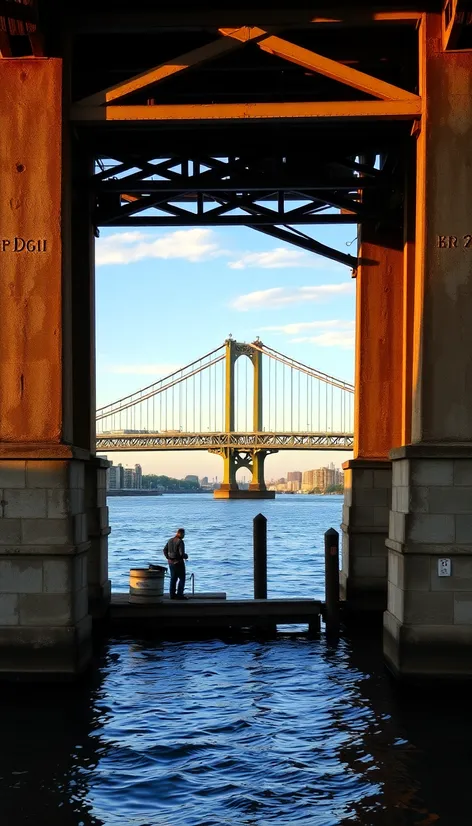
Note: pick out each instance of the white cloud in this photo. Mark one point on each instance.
(128, 247)
(298, 327)
(281, 296)
(333, 338)
(144, 369)
(276, 259)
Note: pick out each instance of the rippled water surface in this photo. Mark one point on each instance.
(227, 732)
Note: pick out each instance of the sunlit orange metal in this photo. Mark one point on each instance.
(217, 48)
(334, 110)
(329, 68)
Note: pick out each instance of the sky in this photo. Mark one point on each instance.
(166, 296)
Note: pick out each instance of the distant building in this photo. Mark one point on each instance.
(294, 476)
(204, 481)
(115, 477)
(119, 477)
(191, 478)
(307, 480)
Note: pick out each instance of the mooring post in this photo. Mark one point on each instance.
(260, 556)
(332, 581)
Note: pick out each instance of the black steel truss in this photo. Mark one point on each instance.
(269, 194)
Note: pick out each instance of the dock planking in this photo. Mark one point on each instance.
(195, 615)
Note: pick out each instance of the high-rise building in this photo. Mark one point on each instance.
(138, 477)
(115, 477)
(307, 480)
(294, 476)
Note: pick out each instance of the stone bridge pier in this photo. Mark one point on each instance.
(53, 516)
(407, 524)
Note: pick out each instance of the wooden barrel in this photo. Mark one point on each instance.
(146, 585)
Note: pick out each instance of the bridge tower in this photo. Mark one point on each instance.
(233, 458)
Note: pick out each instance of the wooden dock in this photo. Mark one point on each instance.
(199, 614)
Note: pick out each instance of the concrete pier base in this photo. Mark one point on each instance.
(367, 495)
(45, 627)
(428, 624)
(222, 493)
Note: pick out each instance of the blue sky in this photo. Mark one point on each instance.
(165, 297)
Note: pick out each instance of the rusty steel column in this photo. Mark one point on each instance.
(428, 624)
(45, 626)
(378, 417)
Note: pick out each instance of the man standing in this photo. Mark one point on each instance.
(174, 552)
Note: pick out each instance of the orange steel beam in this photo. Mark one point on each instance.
(196, 57)
(325, 66)
(334, 110)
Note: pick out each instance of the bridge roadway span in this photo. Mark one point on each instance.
(195, 615)
(120, 440)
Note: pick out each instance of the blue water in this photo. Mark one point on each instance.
(227, 733)
(219, 540)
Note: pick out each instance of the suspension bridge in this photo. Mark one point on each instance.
(239, 409)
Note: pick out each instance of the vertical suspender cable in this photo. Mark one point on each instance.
(276, 366)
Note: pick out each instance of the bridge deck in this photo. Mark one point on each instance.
(196, 615)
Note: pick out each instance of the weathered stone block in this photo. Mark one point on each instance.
(428, 608)
(101, 479)
(397, 526)
(395, 568)
(377, 545)
(362, 478)
(381, 517)
(463, 609)
(46, 474)
(10, 531)
(372, 496)
(400, 499)
(415, 573)
(12, 473)
(464, 528)
(9, 613)
(395, 601)
(450, 499)
(21, 576)
(46, 609)
(427, 527)
(430, 472)
(46, 531)
(383, 478)
(418, 499)
(101, 498)
(103, 514)
(77, 475)
(369, 566)
(57, 576)
(80, 528)
(80, 566)
(81, 604)
(400, 473)
(362, 516)
(463, 472)
(28, 504)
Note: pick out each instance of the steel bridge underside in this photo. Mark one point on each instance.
(272, 125)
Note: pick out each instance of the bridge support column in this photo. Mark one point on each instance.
(45, 628)
(428, 624)
(378, 388)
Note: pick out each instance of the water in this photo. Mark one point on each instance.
(226, 733)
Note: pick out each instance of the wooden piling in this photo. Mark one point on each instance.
(331, 538)
(260, 556)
